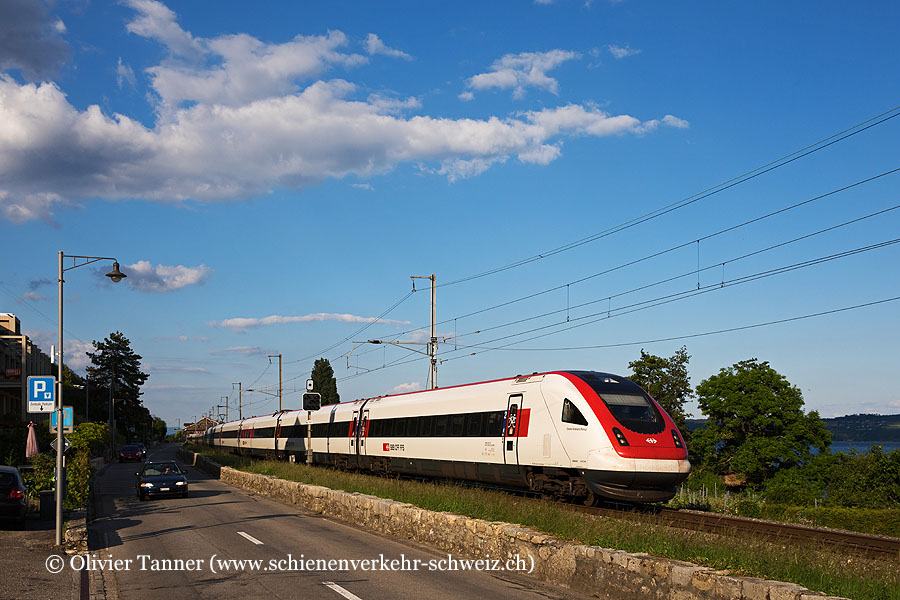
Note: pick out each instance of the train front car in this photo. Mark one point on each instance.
(640, 455)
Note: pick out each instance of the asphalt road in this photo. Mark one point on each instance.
(217, 526)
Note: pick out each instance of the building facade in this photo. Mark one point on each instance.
(19, 359)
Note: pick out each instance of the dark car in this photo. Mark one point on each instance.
(161, 479)
(130, 452)
(12, 496)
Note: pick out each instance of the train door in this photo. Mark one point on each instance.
(510, 430)
(358, 434)
(363, 431)
(354, 440)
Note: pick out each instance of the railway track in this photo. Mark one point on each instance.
(872, 546)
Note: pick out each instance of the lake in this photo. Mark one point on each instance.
(862, 447)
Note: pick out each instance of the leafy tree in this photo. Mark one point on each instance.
(117, 369)
(666, 379)
(756, 424)
(324, 382)
(159, 429)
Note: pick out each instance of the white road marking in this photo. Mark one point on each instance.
(340, 590)
(250, 537)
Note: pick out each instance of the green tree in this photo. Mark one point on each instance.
(159, 429)
(755, 423)
(666, 379)
(117, 369)
(324, 382)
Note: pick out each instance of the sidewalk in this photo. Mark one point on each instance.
(23, 559)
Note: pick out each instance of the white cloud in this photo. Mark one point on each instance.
(176, 369)
(362, 186)
(239, 118)
(457, 169)
(518, 71)
(675, 122)
(241, 324)
(668, 121)
(33, 296)
(145, 277)
(74, 357)
(466, 96)
(124, 74)
(403, 388)
(621, 52)
(241, 350)
(374, 45)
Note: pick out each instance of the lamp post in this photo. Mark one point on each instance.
(116, 275)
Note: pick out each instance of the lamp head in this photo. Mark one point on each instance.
(116, 275)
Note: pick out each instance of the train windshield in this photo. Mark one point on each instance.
(627, 402)
(635, 412)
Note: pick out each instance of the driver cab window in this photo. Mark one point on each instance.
(571, 414)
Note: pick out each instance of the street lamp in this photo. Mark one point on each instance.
(116, 275)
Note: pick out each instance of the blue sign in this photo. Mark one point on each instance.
(68, 418)
(41, 394)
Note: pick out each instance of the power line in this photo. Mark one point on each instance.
(771, 166)
(695, 335)
(668, 250)
(358, 331)
(716, 265)
(659, 301)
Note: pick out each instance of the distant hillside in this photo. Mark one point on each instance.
(852, 428)
(863, 428)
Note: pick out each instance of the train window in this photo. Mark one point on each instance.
(457, 423)
(571, 414)
(473, 424)
(427, 426)
(440, 425)
(494, 424)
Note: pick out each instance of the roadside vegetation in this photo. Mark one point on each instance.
(814, 567)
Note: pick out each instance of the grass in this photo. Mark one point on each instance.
(813, 567)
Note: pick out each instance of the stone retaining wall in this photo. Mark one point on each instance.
(600, 572)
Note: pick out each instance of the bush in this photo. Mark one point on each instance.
(870, 480)
(78, 476)
(89, 436)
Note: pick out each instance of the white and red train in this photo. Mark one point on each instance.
(576, 434)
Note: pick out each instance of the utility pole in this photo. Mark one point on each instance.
(240, 409)
(431, 351)
(432, 346)
(279, 379)
(225, 398)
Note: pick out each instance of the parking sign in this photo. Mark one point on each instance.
(41, 394)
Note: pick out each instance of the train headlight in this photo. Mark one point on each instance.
(620, 437)
(677, 439)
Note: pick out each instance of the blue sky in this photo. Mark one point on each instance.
(270, 176)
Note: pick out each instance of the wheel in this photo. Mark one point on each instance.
(184, 494)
